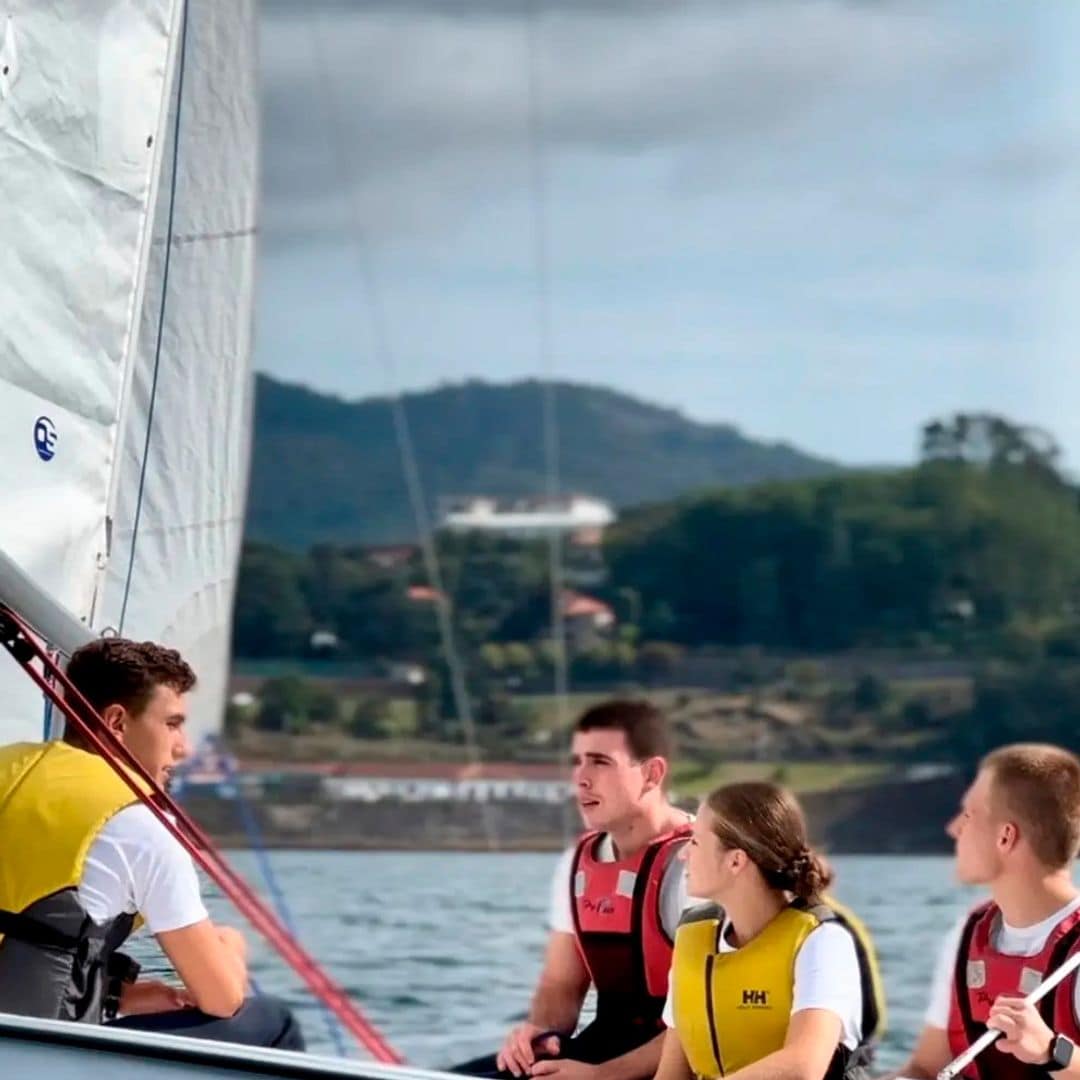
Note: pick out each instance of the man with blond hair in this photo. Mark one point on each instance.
(1017, 833)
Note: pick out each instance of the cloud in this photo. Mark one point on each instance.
(432, 98)
(1032, 159)
(781, 212)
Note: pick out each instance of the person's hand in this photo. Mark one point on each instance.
(518, 1052)
(1024, 1033)
(153, 996)
(565, 1069)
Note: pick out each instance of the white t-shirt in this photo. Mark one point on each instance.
(135, 865)
(1011, 940)
(673, 898)
(826, 977)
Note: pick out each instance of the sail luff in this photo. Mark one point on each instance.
(80, 109)
(178, 26)
(184, 459)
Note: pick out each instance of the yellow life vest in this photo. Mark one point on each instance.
(54, 800)
(733, 1008)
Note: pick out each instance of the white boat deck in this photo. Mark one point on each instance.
(58, 1050)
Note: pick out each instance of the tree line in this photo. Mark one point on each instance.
(975, 548)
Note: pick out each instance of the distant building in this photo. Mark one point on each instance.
(424, 781)
(527, 518)
(583, 559)
(592, 536)
(323, 642)
(588, 620)
(401, 671)
(391, 556)
(423, 594)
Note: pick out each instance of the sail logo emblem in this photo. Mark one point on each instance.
(45, 438)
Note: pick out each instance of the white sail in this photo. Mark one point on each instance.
(82, 103)
(182, 478)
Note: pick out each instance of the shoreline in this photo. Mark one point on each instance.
(890, 818)
(240, 843)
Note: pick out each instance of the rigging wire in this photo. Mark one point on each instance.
(247, 816)
(161, 315)
(539, 206)
(257, 844)
(413, 481)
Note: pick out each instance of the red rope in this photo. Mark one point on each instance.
(25, 648)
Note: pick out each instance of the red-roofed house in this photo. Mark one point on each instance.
(423, 594)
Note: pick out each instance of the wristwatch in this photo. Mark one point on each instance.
(1061, 1053)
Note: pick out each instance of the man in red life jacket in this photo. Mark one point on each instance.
(617, 897)
(1017, 832)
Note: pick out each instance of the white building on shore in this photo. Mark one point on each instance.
(411, 781)
(526, 519)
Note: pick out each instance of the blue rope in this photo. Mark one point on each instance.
(161, 317)
(262, 858)
(251, 826)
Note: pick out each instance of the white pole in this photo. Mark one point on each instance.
(959, 1064)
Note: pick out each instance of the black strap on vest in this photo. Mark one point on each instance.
(871, 1014)
(973, 1030)
(31, 932)
(1065, 946)
(637, 911)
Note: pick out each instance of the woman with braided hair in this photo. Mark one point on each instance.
(770, 979)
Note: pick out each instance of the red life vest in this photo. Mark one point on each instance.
(619, 931)
(982, 974)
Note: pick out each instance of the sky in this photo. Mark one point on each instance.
(823, 221)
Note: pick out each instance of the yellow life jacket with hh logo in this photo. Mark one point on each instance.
(54, 959)
(733, 1008)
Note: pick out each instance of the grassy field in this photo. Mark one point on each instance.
(776, 733)
(691, 780)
